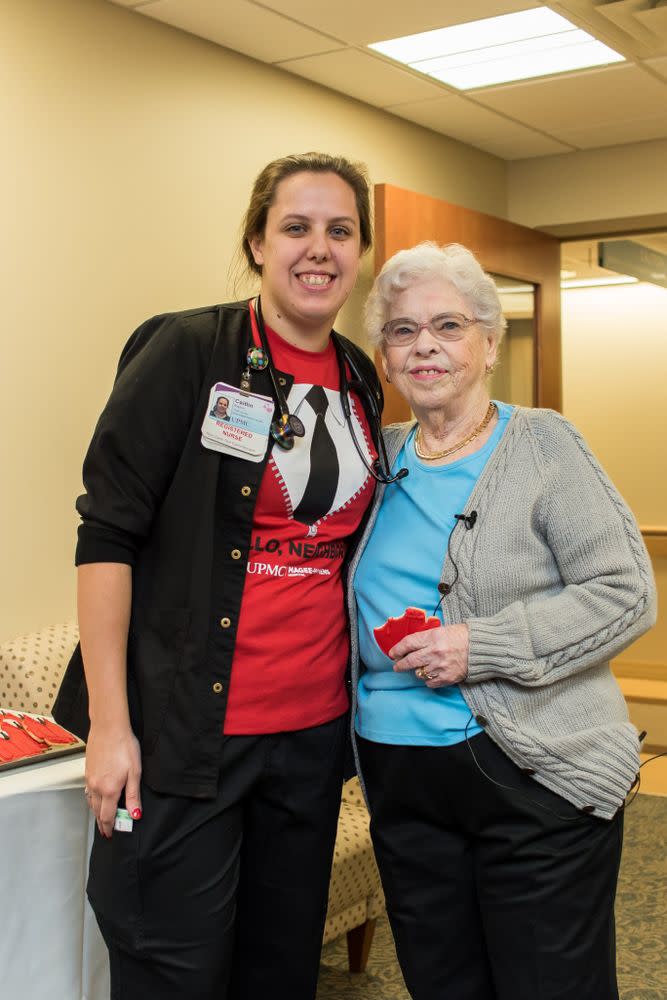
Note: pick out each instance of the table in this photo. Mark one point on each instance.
(50, 945)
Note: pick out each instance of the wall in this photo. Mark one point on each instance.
(614, 365)
(128, 153)
(596, 185)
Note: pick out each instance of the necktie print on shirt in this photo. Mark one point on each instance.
(322, 480)
(323, 472)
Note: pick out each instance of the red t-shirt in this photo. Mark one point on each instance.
(292, 643)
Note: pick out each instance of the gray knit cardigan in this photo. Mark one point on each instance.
(554, 580)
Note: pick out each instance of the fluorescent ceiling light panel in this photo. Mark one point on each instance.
(517, 46)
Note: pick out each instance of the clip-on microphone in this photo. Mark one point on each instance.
(468, 519)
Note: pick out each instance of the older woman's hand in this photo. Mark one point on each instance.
(438, 656)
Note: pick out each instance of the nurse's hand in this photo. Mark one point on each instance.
(113, 763)
(439, 657)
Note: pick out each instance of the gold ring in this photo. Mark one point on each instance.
(431, 677)
(420, 673)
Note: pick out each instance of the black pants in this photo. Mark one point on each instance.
(492, 894)
(225, 899)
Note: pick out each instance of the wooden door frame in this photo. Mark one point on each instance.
(404, 218)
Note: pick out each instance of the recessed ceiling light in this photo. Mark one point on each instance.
(599, 282)
(514, 289)
(519, 46)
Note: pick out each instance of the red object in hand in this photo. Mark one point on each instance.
(395, 629)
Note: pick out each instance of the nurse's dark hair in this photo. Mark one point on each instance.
(266, 184)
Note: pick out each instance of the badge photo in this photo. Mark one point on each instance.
(237, 422)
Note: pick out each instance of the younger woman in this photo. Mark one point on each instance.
(213, 631)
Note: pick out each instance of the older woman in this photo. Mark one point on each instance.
(495, 748)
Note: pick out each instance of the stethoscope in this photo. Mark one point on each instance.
(287, 426)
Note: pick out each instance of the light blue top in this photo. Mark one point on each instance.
(401, 567)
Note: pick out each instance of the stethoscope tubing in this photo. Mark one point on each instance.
(380, 469)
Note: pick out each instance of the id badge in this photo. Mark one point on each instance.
(236, 422)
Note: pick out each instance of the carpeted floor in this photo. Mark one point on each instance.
(641, 920)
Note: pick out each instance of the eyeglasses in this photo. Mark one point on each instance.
(447, 328)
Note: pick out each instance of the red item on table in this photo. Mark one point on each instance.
(19, 742)
(395, 629)
(43, 728)
(26, 738)
(7, 748)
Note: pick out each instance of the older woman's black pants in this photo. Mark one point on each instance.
(225, 899)
(492, 894)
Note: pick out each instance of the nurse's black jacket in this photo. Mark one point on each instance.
(181, 516)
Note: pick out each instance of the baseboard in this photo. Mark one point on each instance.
(648, 692)
(656, 542)
(643, 669)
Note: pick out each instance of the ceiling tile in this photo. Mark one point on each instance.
(616, 133)
(463, 120)
(621, 14)
(364, 77)
(579, 99)
(242, 26)
(654, 19)
(659, 65)
(589, 109)
(375, 20)
(521, 147)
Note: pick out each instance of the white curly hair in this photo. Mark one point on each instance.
(453, 263)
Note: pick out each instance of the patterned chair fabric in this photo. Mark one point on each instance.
(355, 895)
(31, 668)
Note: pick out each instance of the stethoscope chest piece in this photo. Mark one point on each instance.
(285, 428)
(282, 433)
(296, 425)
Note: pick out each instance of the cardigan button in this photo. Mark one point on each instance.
(588, 809)
(217, 688)
(245, 491)
(235, 553)
(527, 770)
(225, 622)
(481, 720)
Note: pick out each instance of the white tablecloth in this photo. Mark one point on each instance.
(50, 945)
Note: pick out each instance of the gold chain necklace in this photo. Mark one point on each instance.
(457, 447)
